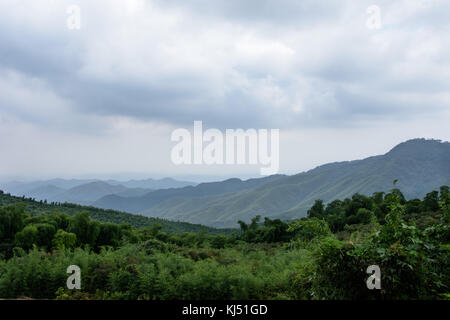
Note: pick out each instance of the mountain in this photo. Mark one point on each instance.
(26, 188)
(154, 184)
(45, 192)
(419, 165)
(139, 204)
(81, 194)
(133, 192)
(87, 191)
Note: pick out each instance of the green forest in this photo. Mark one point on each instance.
(322, 256)
(37, 208)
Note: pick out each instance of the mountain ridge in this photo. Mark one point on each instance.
(138, 204)
(418, 164)
(87, 191)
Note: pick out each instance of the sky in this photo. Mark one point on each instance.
(96, 88)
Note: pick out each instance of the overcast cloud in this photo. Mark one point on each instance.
(106, 97)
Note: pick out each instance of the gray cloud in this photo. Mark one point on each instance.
(180, 66)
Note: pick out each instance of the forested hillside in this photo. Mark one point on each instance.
(38, 208)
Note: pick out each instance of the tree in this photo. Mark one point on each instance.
(431, 202)
(357, 202)
(336, 222)
(394, 196)
(317, 210)
(378, 197)
(309, 229)
(335, 215)
(249, 232)
(334, 207)
(274, 231)
(64, 240)
(28, 237)
(86, 230)
(40, 234)
(444, 194)
(270, 231)
(413, 206)
(219, 242)
(46, 232)
(12, 220)
(109, 235)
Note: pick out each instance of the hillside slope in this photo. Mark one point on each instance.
(164, 183)
(87, 193)
(419, 165)
(143, 203)
(40, 208)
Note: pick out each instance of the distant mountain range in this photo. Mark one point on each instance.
(419, 165)
(145, 202)
(85, 192)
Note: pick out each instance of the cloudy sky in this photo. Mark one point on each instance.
(103, 100)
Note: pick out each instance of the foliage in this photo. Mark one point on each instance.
(40, 208)
(271, 231)
(273, 259)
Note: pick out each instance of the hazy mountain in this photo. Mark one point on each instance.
(154, 184)
(46, 192)
(143, 203)
(419, 165)
(132, 192)
(87, 191)
(20, 188)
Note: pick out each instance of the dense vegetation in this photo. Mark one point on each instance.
(37, 208)
(323, 256)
